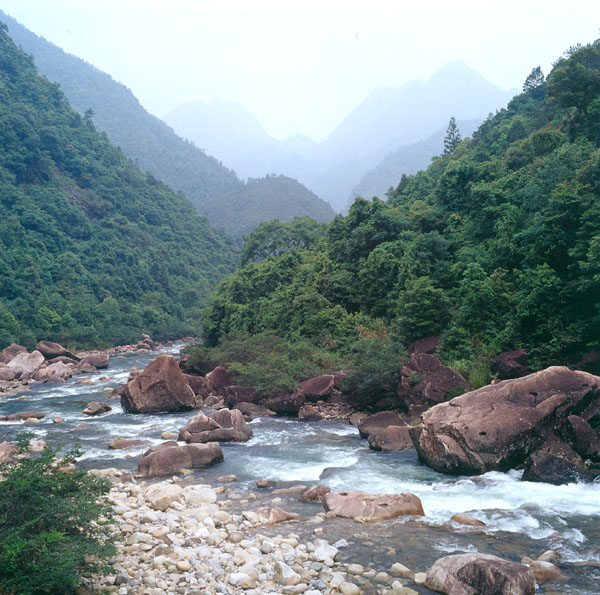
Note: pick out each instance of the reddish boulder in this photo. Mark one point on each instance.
(286, 404)
(556, 463)
(99, 360)
(240, 394)
(372, 507)
(253, 410)
(392, 439)
(495, 428)
(426, 345)
(339, 377)
(8, 452)
(315, 493)
(510, 364)
(582, 437)
(97, 408)
(160, 387)
(379, 421)
(219, 378)
(224, 425)
(7, 373)
(58, 372)
(22, 415)
(471, 574)
(198, 384)
(424, 382)
(309, 413)
(125, 444)
(169, 458)
(63, 359)
(10, 352)
(26, 364)
(50, 350)
(318, 387)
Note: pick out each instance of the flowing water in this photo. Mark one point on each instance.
(521, 518)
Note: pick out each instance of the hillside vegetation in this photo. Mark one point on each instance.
(92, 250)
(496, 245)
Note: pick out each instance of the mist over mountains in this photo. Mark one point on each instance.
(386, 120)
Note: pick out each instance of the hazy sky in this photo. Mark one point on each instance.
(301, 66)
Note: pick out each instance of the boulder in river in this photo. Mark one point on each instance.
(253, 410)
(232, 395)
(8, 353)
(224, 425)
(160, 387)
(57, 372)
(473, 573)
(26, 364)
(198, 384)
(286, 403)
(392, 439)
(97, 408)
(318, 387)
(22, 415)
(557, 463)
(372, 507)
(219, 379)
(99, 360)
(7, 373)
(125, 444)
(495, 428)
(379, 421)
(169, 457)
(268, 515)
(50, 350)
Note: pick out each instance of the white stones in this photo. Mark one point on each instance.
(398, 569)
(284, 575)
(241, 579)
(420, 578)
(349, 589)
(161, 495)
(184, 565)
(323, 551)
(355, 569)
(168, 435)
(197, 495)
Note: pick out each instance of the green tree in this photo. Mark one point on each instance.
(534, 79)
(453, 138)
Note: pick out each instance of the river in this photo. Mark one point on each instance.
(521, 518)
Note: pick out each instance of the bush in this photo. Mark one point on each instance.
(51, 521)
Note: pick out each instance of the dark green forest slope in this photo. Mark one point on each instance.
(92, 250)
(212, 188)
(496, 246)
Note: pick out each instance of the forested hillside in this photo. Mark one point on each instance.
(496, 245)
(92, 250)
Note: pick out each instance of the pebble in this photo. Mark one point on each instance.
(349, 589)
(420, 578)
(398, 569)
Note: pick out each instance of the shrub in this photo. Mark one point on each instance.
(51, 521)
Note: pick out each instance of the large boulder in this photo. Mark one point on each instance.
(198, 384)
(268, 515)
(240, 394)
(97, 408)
(225, 425)
(50, 350)
(475, 574)
(168, 458)
(58, 372)
(318, 387)
(582, 437)
(7, 373)
(495, 428)
(219, 379)
(99, 360)
(10, 352)
(161, 387)
(426, 345)
(425, 382)
(379, 421)
(392, 439)
(22, 415)
(253, 410)
(556, 463)
(372, 507)
(510, 364)
(26, 364)
(285, 404)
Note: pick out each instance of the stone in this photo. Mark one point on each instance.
(50, 350)
(198, 384)
(86, 369)
(31, 421)
(85, 381)
(378, 422)
(57, 372)
(7, 452)
(252, 410)
(125, 444)
(7, 373)
(225, 425)
(265, 483)
(268, 515)
(162, 495)
(232, 395)
(315, 493)
(473, 573)
(58, 420)
(285, 404)
(323, 551)
(63, 359)
(465, 519)
(169, 458)
(398, 569)
(196, 495)
(510, 364)
(97, 408)
(544, 572)
(549, 556)
(26, 364)
(426, 345)
(37, 445)
(392, 439)
(310, 413)
(161, 387)
(22, 415)
(347, 588)
(169, 435)
(8, 353)
(556, 463)
(184, 565)
(99, 360)
(284, 575)
(469, 435)
(584, 440)
(420, 578)
(318, 387)
(219, 379)
(372, 507)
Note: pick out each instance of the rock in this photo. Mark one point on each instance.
(63, 359)
(160, 496)
(323, 551)
(581, 437)
(465, 519)
(226, 478)
(169, 435)
(125, 444)
(99, 360)
(284, 575)
(510, 364)
(318, 387)
(22, 415)
(26, 364)
(470, 574)
(240, 394)
(7, 373)
(197, 495)
(549, 556)
(85, 381)
(252, 410)
(426, 345)
(392, 439)
(356, 418)
(8, 353)
(372, 507)
(37, 445)
(86, 369)
(184, 565)
(58, 420)
(347, 588)
(286, 404)
(309, 413)
(544, 572)
(57, 372)
(214, 402)
(470, 435)
(97, 408)
(424, 382)
(268, 515)
(398, 569)
(265, 483)
(50, 350)
(169, 458)
(219, 379)
(31, 421)
(315, 493)
(556, 463)
(198, 384)
(161, 387)
(225, 425)
(590, 362)
(420, 578)
(7, 452)
(379, 421)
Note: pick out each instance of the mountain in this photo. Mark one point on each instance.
(92, 250)
(277, 195)
(494, 247)
(386, 120)
(147, 140)
(408, 159)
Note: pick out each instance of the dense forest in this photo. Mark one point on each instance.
(92, 251)
(495, 246)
